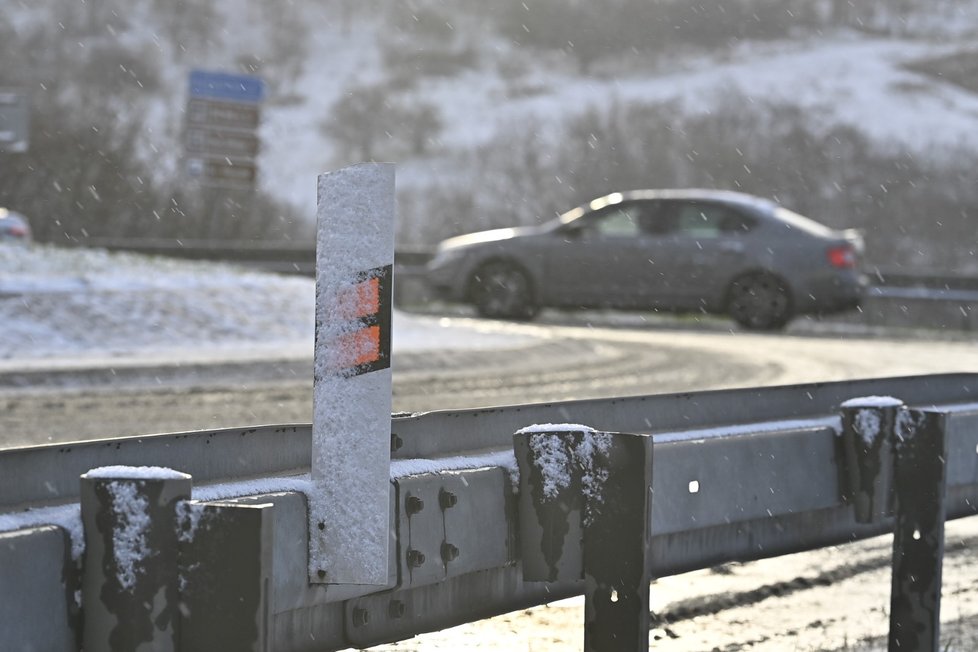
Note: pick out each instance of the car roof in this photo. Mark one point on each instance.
(688, 194)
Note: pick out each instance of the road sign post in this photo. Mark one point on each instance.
(14, 121)
(220, 140)
(349, 511)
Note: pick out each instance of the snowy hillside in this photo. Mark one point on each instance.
(501, 114)
(846, 78)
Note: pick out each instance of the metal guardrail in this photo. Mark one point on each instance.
(736, 475)
(924, 278)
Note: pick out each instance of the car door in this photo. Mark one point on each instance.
(606, 258)
(708, 247)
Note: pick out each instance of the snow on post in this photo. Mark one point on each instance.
(350, 505)
(130, 579)
(869, 425)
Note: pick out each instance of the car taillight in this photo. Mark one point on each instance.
(842, 256)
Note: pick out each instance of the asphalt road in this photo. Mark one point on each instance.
(561, 362)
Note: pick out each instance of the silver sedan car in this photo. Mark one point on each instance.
(676, 250)
(14, 227)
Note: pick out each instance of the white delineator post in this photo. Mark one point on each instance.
(350, 509)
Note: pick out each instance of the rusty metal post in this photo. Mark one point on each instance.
(129, 585)
(918, 536)
(585, 512)
(868, 425)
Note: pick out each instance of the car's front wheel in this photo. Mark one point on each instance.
(501, 290)
(760, 301)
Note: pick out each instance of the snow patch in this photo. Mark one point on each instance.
(135, 473)
(558, 459)
(867, 420)
(872, 402)
(109, 307)
(129, 537)
(67, 517)
(867, 425)
(505, 459)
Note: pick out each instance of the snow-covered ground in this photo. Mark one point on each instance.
(74, 303)
(840, 76)
(846, 78)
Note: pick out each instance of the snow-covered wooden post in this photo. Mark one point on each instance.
(349, 511)
(129, 586)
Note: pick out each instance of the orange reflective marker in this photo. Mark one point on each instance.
(359, 348)
(361, 300)
(367, 305)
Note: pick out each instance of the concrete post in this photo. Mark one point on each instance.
(130, 595)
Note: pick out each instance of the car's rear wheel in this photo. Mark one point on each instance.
(760, 302)
(501, 290)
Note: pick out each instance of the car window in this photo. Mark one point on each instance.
(618, 220)
(656, 220)
(706, 220)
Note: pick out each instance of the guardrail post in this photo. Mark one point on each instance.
(868, 424)
(225, 576)
(918, 537)
(585, 513)
(130, 594)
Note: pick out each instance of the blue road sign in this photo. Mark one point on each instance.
(225, 86)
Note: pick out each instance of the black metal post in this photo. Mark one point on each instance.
(585, 512)
(226, 566)
(868, 426)
(616, 539)
(918, 537)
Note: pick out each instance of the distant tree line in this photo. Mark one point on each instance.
(591, 30)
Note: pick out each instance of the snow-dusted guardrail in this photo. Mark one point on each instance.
(735, 475)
